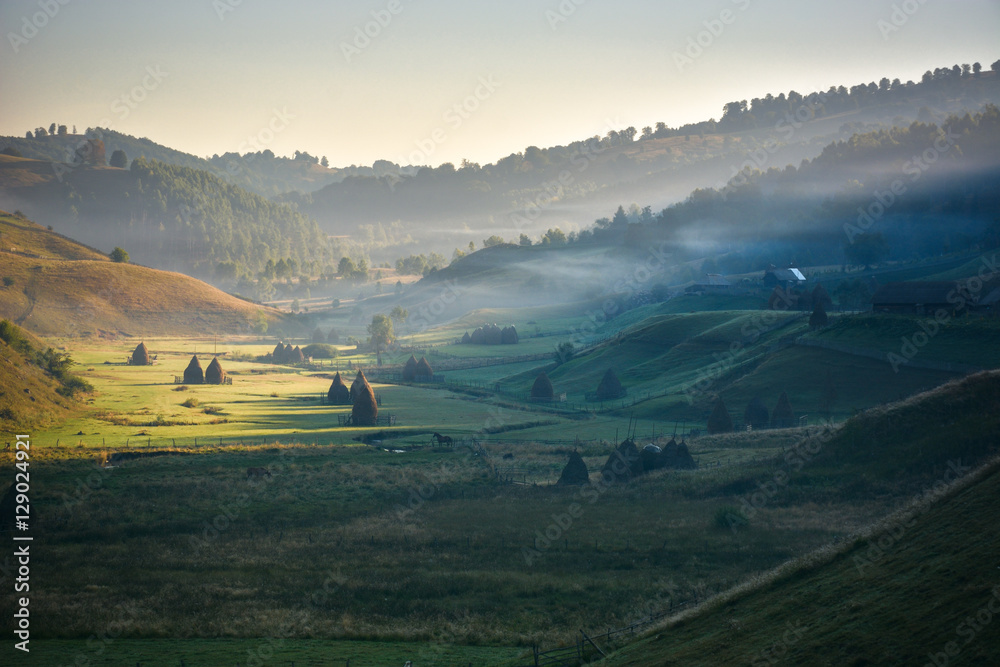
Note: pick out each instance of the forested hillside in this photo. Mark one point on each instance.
(165, 216)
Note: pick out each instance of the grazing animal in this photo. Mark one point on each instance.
(258, 473)
(508, 457)
(442, 439)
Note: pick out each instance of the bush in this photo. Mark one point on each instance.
(191, 402)
(119, 255)
(7, 281)
(320, 351)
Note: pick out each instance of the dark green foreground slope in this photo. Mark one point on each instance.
(922, 585)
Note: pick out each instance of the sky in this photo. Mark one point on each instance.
(433, 81)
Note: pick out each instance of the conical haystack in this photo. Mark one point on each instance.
(286, 354)
(466, 338)
(542, 389)
(297, 356)
(141, 356)
(624, 462)
(193, 373)
(339, 394)
(575, 471)
(720, 421)
(278, 353)
(651, 457)
(358, 379)
(410, 369)
(609, 388)
(365, 410)
(423, 372)
(782, 416)
(214, 373)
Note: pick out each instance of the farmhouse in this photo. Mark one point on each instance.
(783, 278)
(710, 283)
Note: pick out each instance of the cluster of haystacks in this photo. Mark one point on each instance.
(491, 334)
(755, 416)
(193, 374)
(676, 456)
(719, 421)
(410, 369)
(140, 357)
(417, 371)
(610, 388)
(542, 390)
(364, 411)
(338, 394)
(575, 472)
(286, 354)
(624, 462)
(214, 373)
(424, 372)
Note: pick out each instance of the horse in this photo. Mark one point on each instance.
(258, 473)
(442, 439)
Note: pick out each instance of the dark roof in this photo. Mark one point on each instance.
(915, 292)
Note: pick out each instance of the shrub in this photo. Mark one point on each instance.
(119, 255)
(320, 351)
(191, 402)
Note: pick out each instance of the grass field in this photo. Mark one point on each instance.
(180, 556)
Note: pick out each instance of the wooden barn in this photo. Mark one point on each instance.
(918, 298)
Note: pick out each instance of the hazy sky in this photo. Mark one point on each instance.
(211, 76)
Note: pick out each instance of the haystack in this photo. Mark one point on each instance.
(782, 416)
(286, 354)
(623, 462)
(193, 373)
(365, 410)
(719, 421)
(575, 471)
(297, 356)
(141, 356)
(214, 373)
(423, 371)
(609, 388)
(542, 389)
(339, 394)
(278, 353)
(509, 336)
(410, 369)
(756, 415)
(358, 379)
(466, 338)
(683, 459)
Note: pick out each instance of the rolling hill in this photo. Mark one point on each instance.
(907, 590)
(54, 286)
